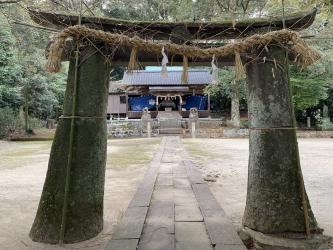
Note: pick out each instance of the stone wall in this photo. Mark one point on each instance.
(129, 128)
(207, 128)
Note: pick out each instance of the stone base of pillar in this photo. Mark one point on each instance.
(288, 241)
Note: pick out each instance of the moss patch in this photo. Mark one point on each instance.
(131, 151)
(19, 154)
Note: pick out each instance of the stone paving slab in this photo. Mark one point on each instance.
(165, 168)
(229, 247)
(184, 197)
(221, 231)
(173, 208)
(144, 192)
(131, 224)
(160, 240)
(219, 227)
(188, 213)
(179, 170)
(193, 174)
(160, 215)
(181, 183)
(142, 196)
(162, 194)
(164, 180)
(191, 235)
(158, 232)
(128, 244)
(179, 175)
(207, 202)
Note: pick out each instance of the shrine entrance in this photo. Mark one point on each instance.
(71, 205)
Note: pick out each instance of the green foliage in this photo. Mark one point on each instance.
(10, 71)
(325, 124)
(22, 73)
(307, 92)
(22, 48)
(10, 97)
(311, 85)
(10, 122)
(221, 92)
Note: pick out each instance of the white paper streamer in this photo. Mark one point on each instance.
(165, 61)
(215, 72)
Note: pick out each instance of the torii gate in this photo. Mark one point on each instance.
(71, 205)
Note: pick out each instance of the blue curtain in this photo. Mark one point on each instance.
(141, 102)
(199, 102)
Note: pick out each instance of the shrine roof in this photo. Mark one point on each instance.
(155, 78)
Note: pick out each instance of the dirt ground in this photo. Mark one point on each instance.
(23, 168)
(226, 161)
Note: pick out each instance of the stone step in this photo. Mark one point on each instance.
(168, 115)
(168, 131)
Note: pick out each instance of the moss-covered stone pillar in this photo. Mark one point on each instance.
(83, 215)
(274, 192)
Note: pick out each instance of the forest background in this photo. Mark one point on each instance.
(26, 85)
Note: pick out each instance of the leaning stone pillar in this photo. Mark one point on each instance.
(83, 215)
(274, 192)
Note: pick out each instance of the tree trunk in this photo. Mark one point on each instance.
(84, 216)
(235, 114)
(274, 192)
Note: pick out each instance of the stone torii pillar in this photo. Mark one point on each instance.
(275, 192)
(77, 213)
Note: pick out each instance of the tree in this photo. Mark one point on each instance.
(223, 92)
(24, 55)
(307, 91)
(10, 71)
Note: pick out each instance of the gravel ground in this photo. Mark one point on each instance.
(225, 160)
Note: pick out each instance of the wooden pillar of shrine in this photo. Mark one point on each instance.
(71, 204)
(276, 196)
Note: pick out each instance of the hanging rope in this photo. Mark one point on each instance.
(71, 142)
(165, 61)
(215, 71)
(185, 70)
(239, 68)
(304, 55)
(133, 62)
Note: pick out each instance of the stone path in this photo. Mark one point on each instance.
(173, 208)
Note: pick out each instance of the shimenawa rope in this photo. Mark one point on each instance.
(304, 55)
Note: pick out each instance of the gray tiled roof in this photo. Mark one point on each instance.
(143, 77)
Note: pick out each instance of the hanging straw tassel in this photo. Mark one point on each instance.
(185, 70)
(55, 53)
(304, 55)
(215, 72)
(239, 67)
(133, 62)
(165, 61)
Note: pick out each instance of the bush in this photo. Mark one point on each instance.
(10, 122)
(325, 124)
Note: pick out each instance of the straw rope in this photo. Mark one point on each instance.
(133, 62)
(184, 77)
(304, 55)
(239, 68)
